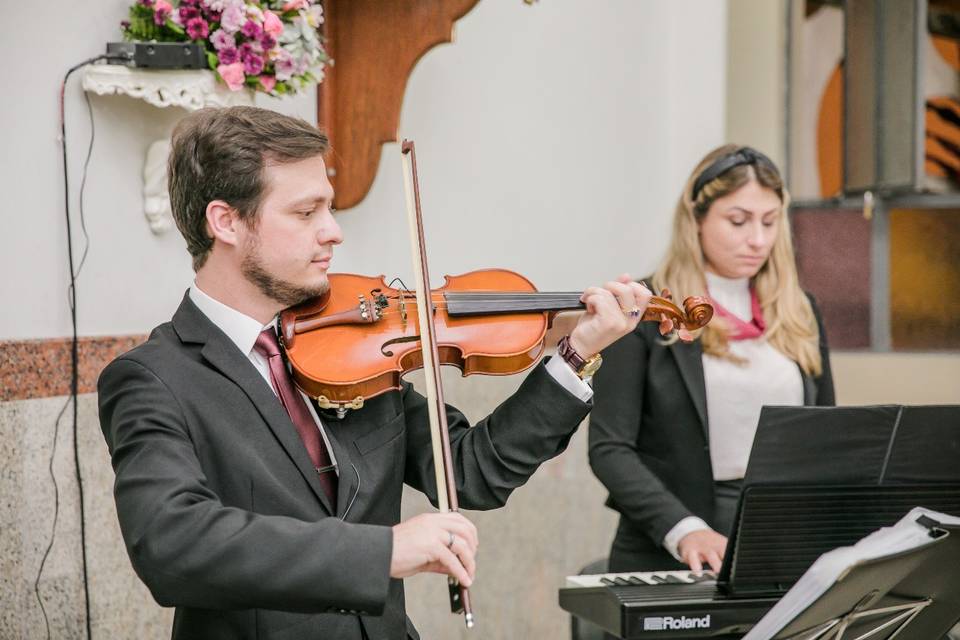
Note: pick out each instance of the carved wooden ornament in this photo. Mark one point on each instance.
(374, 45)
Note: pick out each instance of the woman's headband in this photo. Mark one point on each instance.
(743, 155)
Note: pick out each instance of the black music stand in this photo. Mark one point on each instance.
(912, 594)
(824, 477)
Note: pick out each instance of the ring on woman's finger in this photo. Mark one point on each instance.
(452, 540)
(635, 312)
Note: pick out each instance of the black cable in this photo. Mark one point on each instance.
(56, 514)
(74, 353)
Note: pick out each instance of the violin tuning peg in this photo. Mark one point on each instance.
(666, 325)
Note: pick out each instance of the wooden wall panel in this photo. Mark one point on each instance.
(374, 45)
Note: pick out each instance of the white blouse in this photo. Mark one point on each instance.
(736, 392)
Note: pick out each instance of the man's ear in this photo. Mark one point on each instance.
(223, 222)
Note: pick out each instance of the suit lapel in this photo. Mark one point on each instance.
(222, 354)
(809, 389)
(689, 360)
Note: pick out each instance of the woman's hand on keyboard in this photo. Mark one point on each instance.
(704, 546)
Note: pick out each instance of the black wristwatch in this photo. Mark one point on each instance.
(583, 367)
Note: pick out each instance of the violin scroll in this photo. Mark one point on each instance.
(696, 313)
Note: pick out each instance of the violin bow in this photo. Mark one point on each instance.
(439, 433)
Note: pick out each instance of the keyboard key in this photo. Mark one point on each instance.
(706, 576)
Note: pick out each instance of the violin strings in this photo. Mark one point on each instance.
(468, 303)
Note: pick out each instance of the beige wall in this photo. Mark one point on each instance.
(756, 76)
(896, 378)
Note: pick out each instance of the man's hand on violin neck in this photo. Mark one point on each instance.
(435, 542)
(613, 311)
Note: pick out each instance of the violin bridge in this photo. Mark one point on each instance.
(402, 305)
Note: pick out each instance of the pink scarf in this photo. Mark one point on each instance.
(740, 330)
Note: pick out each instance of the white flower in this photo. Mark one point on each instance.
(313, 16)
(254, 13)
(222, 5)
(291, 33)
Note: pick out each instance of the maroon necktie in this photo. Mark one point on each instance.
(299, 412)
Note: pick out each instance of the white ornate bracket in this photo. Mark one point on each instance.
(189, 89)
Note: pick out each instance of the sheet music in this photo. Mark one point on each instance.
(905, 535)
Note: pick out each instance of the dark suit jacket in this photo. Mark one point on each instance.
(649, 442)
(221, 510)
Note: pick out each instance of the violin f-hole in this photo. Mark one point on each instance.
(400, 340)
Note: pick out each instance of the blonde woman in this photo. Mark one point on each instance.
(673, 423)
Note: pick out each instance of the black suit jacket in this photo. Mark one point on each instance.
(221, 510)
(648, 437)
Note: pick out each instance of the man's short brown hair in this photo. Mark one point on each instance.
(219, 154)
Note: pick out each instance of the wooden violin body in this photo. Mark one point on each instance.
(359, 339)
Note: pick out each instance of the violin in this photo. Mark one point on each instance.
(360, 338)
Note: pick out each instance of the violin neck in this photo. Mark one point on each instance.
(469, 303)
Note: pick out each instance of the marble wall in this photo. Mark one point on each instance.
(35, 435)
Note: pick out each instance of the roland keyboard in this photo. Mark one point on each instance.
(661, 604)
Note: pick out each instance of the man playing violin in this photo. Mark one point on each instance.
(241, 504)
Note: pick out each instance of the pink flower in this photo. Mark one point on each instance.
(253, 64)
(248, 49)
(252, 30)
(295, 5)
(161, 11)
(228, 55)
(232, 74)
(268, 83)
(232, 19)
(272, 24)
(197, 29)
(267, 41)
(188, 13)
(220, 39)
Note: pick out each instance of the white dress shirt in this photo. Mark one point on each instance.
(243, 331)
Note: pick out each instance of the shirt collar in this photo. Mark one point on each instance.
(732, 293)
(239, 327)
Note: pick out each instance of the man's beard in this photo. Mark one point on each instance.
(286, 293)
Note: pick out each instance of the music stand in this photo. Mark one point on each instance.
(911, 594)
(823, 477)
